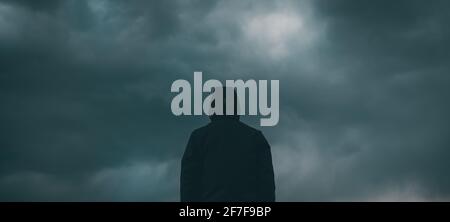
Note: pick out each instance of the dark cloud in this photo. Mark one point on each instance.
(84, 91)
(41, 6)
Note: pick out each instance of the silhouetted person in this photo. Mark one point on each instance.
(225, 161)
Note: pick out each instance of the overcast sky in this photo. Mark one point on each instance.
(85, 95)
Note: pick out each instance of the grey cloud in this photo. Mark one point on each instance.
(84, 91)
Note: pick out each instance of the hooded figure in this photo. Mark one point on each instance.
(226, 161)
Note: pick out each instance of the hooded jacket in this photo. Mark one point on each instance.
(225, 161)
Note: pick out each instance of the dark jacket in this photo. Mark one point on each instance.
(227, 160)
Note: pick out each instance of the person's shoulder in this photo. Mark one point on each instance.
(256, 135)
(198, 132)
(249, 129)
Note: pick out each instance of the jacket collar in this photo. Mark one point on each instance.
(223, 117)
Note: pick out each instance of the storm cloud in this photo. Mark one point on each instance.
(85, 95)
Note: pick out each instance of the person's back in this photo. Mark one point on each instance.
(227, 160)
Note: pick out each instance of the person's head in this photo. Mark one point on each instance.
(227, 95)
